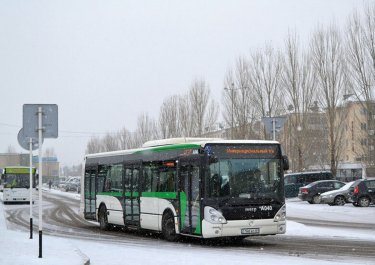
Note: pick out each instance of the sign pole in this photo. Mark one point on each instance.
(31, 188)
(40, 132)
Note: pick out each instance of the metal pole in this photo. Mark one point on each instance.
(274, 129)
(232, 111)
(31, 188)
(40, 131)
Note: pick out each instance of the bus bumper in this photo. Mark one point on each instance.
(243, 228)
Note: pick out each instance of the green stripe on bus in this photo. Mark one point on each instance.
(169, 147)
(162, 195)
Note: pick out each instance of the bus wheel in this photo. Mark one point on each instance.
(103, 218)
(168, 227)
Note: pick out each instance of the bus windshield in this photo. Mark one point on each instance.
(16, 181)
(248, 180)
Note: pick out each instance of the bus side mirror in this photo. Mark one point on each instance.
(285, 162)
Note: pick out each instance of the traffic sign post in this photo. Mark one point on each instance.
(29, 144)
(35, 116)
(273, 125)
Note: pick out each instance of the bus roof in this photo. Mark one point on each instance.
(177, 143)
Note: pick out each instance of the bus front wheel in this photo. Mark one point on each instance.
(168, 227)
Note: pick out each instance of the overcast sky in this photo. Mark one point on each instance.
(106, 62)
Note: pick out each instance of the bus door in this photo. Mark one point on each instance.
(131, 184)
(89, 192)
(189, 176)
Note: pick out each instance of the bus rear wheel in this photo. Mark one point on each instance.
(103, 218)
(168, 228)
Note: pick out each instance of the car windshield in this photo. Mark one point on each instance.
(248, 179)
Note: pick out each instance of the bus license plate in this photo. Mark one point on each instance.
(249, 231)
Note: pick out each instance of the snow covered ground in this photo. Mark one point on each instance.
(16, 247)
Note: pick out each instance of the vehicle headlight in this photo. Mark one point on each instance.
(280, 215)
(213, 216)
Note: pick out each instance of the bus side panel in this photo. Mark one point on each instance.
(152, 209)
(116, 214)
(149, 213)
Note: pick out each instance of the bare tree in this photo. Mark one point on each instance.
(110, 142)
(298, 84)
(146, 130)
(94, 146)
(329, 67)
(185, 121)
(11, 149)
(360, 54)
(203, 112)
(265, 82)
(169, 117)
(238, 101)
(265, 79)
(125, 139)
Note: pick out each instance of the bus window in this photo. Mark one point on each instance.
(114, 178)
(102, 179)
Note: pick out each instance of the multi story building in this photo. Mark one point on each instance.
(305, 138)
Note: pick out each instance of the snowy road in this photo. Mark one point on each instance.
(318, 239)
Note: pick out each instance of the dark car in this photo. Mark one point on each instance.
(364, 193)
(294, 181)
(312, 191)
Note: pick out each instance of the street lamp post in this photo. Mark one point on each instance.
(232, 100)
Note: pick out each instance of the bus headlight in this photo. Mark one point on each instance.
(280, 215)
(213, 216)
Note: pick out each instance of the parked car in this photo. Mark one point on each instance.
(364, 193)
(71, 184)
(294, 181)
(311, 192)
(339, 197)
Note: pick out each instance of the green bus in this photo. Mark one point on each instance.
(205, 188)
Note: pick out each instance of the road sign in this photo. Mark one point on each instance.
(49, 120)
(273, 124)
(25, 141)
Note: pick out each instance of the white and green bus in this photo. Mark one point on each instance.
(16, 183)
(189, 186)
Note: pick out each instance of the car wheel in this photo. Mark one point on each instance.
(103, 218)
(316, 199)
(340, 201)
(364, 202)
(168, 228)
